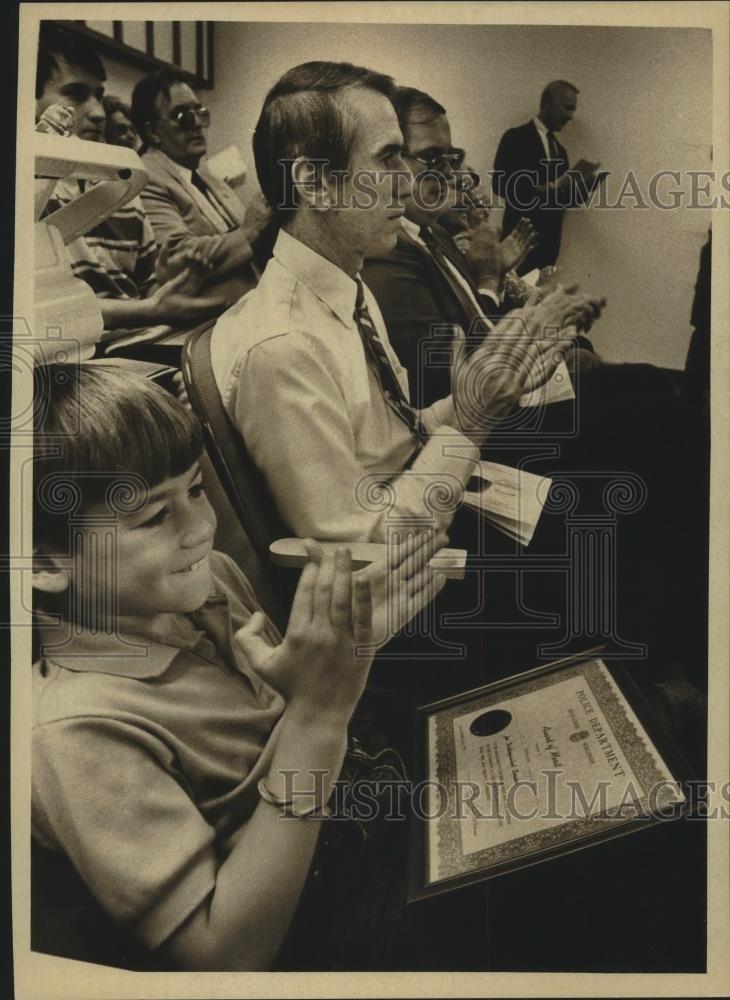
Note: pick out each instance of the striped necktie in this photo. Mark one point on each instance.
(383, 370)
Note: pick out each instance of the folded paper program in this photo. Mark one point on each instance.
(510, 499)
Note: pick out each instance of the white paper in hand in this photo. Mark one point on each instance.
(532, 277)
(511, 499)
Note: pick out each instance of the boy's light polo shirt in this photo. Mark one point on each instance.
(146, 758)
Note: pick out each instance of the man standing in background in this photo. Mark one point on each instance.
(531, 174)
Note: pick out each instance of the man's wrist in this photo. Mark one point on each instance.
(250, 234)
(490, 282)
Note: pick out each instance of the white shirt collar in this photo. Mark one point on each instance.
(328, 281)
(540, 126)
(411, 229)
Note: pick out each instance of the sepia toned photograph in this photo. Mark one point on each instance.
(368, 500)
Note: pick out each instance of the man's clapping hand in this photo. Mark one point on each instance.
(489, 257)
(489, 382)
(177, 304)
(198, 259)
(515, 247)
(402, 582)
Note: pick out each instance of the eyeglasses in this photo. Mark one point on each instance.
(437, 160)
(188, 118)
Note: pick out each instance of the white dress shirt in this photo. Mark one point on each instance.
(543, 133)
(293, 376)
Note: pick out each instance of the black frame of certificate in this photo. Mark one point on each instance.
(679, 767)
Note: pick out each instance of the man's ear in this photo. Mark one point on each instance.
(151, 136)
(48, 574)
(308, 177)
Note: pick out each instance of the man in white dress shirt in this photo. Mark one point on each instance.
(303, 363)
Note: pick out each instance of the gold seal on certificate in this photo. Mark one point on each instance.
(535, 766)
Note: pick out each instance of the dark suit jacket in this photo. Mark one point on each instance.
(521, 151)
(416, 300)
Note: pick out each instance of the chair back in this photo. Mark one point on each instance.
(238, 479)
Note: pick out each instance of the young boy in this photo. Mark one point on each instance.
(172, 726)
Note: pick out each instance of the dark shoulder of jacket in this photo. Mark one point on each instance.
(401, 262)
(403, 251)
(516, 132)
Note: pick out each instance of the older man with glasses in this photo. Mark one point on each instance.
(425, 286)
(191, 211)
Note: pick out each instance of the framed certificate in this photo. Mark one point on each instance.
(528, 768)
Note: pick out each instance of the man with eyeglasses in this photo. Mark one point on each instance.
(622, 414)
(426, 284)
(191, 211)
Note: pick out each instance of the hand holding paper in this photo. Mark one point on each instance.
(586, 168)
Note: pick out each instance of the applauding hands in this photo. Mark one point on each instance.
(489, 258)
(488, 383)
(402, 582)
(339, 619)
(318, 668)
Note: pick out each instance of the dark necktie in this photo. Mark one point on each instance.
(474, 318)
(383, 370)
(553, 146)
(200, 184)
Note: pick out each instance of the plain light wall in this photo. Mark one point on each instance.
(120, 77)
(645, 105)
